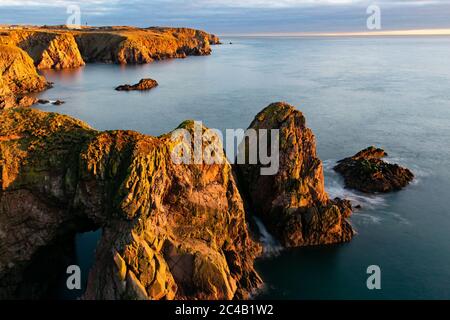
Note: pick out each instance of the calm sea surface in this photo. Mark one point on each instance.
(354, 92)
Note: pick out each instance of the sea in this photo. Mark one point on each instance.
(391, 92)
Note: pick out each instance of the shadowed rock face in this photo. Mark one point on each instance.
(367, 172)
(169, 231)
(293, 202)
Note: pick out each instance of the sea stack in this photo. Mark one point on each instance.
(293, 203)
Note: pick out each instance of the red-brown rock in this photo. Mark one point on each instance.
(367, 172)
(293, 203)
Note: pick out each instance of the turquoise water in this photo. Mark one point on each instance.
(354, 92)
(84, 257)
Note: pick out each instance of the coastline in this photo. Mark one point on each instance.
(304, 106)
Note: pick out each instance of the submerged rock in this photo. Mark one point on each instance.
(168, 231)
(293, 203)
(45, 101)
(144, 84)
(367, 172)
(58, 102)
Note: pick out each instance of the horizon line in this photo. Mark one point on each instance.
(395, 32)
(408, 32)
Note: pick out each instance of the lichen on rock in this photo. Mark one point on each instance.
(155, 215)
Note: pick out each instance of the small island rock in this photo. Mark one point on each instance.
(144, 84)
(367, 172)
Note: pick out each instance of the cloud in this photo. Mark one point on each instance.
(234, 15)
(210, 3)
(56, 3)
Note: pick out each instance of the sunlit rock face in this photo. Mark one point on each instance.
(135, 46)
(169, 231)
(293, 202)
(61, 48)
(18, 77)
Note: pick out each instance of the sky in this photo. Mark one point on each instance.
(235, 16)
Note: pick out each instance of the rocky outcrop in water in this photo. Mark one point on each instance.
(367, 172)
(18, 77)
(293, 203)
(144, 84)
(169, 231)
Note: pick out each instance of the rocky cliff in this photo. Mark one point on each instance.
(60, 48)
(293, 202)
(132, 45)
(18, 76)
(48, 49)
(169, 231)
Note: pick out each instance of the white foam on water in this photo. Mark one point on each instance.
(396, 216)
(271, 247)
(334, 185)
(419, 173)
(365, 218)
(374, 205)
